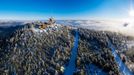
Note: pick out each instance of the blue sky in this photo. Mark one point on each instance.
(63, 9)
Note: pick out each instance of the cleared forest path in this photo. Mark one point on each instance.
(71, 67)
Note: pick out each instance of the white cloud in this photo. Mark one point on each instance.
(109, 25)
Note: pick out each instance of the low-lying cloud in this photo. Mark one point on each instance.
(115, 26)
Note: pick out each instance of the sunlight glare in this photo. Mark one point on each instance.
(131, 13)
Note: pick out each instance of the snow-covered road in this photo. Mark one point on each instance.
(71, 67)
(122, 67)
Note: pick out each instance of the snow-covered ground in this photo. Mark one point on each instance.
(50, 28)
